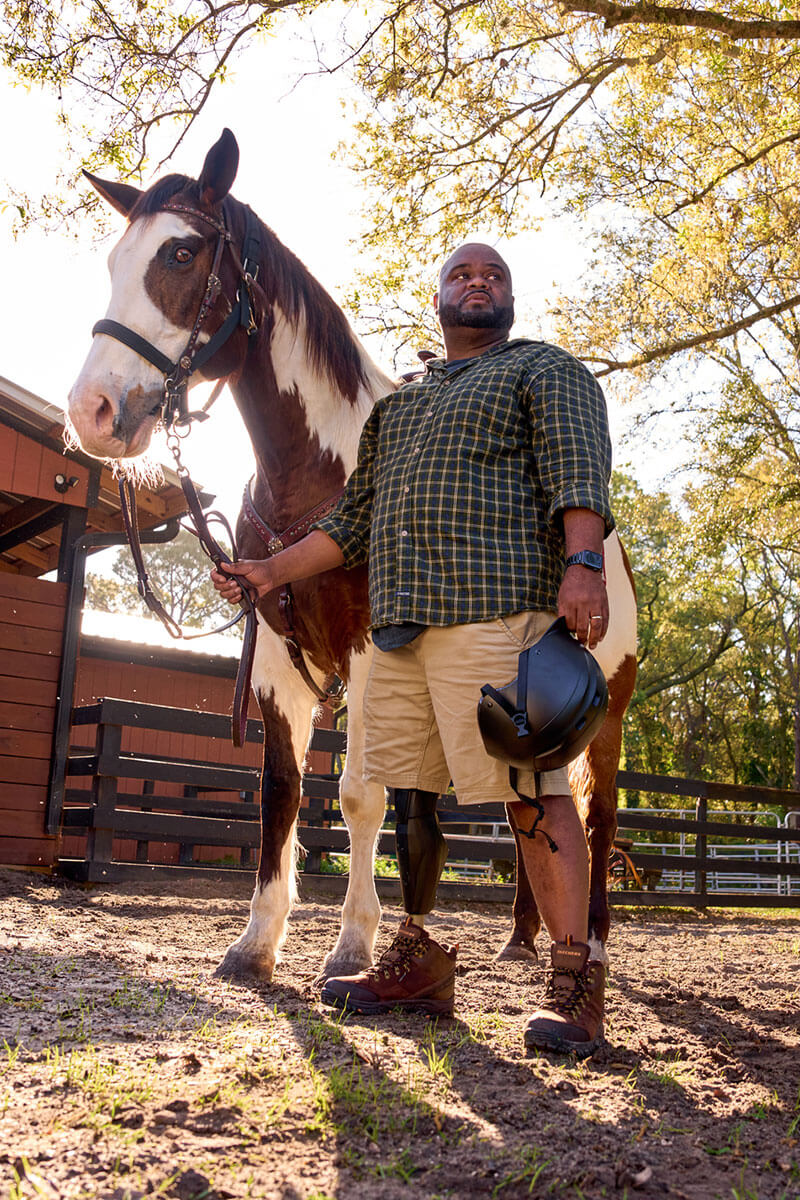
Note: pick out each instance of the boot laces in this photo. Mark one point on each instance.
(396, 960)
(566, 992)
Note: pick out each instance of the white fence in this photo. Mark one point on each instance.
(683, 844)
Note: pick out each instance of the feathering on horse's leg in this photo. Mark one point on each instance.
(363, 807)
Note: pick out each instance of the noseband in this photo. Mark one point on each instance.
(174, 405)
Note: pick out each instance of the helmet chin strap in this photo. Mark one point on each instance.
(532, 803)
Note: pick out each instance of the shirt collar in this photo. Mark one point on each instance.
(439, 365)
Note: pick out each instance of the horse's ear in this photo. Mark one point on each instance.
(121, 196)
(219, 169)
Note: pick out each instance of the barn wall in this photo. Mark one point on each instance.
(29, 468)
(31, 622)
(32, 613)
(190, 681)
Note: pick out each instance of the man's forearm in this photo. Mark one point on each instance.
(582, 596)
(312, 555)
(315, 553)
(583, 530)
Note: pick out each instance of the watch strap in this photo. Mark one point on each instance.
(586, 558)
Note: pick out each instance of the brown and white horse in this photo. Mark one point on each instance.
(304, 386)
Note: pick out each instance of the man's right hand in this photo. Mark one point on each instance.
(257, 575)
(312, 555)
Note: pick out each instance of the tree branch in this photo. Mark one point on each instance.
(681, 18)
(697, 339)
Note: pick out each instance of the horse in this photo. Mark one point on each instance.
(190, 258)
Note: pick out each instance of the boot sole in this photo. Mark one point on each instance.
(544, 1041)
(439, 1008)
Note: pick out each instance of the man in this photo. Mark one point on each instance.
(480, 498)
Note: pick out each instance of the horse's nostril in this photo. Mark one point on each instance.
(105, 413)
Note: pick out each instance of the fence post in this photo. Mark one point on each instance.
(700, 845)
(100, 834)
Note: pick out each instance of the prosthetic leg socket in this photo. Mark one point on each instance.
(421, 848)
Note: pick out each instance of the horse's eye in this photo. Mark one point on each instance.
(183, 255)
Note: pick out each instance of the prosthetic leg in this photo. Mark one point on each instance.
(421, 848)
(415, 973)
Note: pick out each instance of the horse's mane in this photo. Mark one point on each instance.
(285, 281)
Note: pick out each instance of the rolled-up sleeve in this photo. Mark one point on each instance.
(349, 523)
(572, 444)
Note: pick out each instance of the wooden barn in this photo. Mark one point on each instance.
(57, 508)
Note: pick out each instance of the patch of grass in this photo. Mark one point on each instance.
(321, 1030)
(440, 1065)
(104, 1083)
(11, 1053)
(402, 1167)
(77, 1020)
(533, 1163)
(675, 1072)
(357, 1101)
(137, 996)
(33, 1004)
(795, 1122)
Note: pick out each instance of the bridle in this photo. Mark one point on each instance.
(177, 420)
(174, 405)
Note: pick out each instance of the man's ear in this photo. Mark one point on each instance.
(436, 302)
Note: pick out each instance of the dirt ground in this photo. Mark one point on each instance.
(127, 1069)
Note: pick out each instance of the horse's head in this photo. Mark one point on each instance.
(160, 271)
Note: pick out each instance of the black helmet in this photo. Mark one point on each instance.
(547, 715)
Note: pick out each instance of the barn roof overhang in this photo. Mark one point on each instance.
(51, 492)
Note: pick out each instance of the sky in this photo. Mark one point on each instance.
(56, 285)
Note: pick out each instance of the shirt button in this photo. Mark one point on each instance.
(403, 533)
(406, 489)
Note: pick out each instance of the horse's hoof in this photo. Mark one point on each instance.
(517, 952)
(339, 968)
(245, 968)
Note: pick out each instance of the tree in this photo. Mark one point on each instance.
(179, 574)
(679, 124)
(718, 581)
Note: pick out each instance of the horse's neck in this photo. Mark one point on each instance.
(304, 430)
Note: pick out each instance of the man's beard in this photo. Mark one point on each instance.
(496, 317)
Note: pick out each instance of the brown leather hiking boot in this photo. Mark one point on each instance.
(571, 1019)
(415, 973)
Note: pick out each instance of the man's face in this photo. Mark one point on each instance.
(475, 290)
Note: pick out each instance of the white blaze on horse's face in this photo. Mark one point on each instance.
(112, 401)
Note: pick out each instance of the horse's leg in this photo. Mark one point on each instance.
(593, 780)
(527, 922)
(287, 707)
(363, 806)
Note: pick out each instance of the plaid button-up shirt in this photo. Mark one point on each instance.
(460, 482)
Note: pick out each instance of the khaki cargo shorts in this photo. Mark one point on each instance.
(421, 705)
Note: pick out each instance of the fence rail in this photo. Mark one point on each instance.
(216, 808)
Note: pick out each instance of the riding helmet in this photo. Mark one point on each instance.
(545, 717)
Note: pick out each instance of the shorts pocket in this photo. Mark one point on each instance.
(525, 628)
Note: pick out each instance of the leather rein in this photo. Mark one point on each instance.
(274, 543)
(177, 420)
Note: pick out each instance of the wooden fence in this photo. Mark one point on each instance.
(121, 803)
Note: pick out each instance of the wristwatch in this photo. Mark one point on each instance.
(586, 558)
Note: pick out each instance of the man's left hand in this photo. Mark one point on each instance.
(582, 600)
